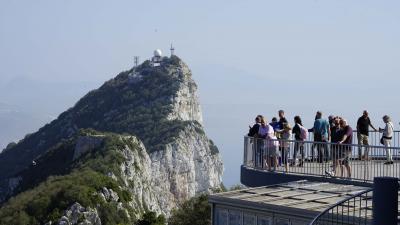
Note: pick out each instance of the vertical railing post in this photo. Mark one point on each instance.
(245, 145)
(385, 200)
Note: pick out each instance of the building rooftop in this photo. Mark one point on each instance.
(299, 197)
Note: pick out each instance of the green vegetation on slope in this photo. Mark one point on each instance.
(85, 178)
(195, 211)
(48, 200)
(151, 218)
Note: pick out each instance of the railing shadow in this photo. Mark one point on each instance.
(356, 209)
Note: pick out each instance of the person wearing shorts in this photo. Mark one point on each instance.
(346, 141)
(272, 155)
(363, 124)
(336, 132)
(270, 145)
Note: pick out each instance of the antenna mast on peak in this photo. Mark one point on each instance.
(172, 50)
(136, 60)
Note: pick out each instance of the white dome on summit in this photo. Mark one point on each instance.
(157, 53)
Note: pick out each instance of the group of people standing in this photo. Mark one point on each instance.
(335, 130)
(272, 149)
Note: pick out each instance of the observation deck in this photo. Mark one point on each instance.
(324, 183)
(310, 165)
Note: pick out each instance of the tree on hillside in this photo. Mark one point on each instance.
(195, 211)
(151, 218)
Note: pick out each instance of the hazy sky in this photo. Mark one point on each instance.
(338, 56)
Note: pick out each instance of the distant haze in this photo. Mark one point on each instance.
(247, 57)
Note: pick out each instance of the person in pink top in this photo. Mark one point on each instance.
(271, 152)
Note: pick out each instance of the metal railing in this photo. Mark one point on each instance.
(374, 138)
(356, 209)
(321, 158)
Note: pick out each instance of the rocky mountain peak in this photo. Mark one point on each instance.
(185, 102)
(139, 136)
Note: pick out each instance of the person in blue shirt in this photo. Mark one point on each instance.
(322, 134)
(275, 124)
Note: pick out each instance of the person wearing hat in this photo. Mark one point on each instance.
(386, 140)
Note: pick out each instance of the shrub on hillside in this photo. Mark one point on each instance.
(195, 211)
(151, 218)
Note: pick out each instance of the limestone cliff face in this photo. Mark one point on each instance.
(163, 179)
(185, 168)
(185, 104)
(167, 159)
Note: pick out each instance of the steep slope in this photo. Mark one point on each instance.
(163, 159)
(141, 101)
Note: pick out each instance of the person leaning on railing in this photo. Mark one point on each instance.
(257, 143)
(253, 130)
(387, 138)
(363, 124)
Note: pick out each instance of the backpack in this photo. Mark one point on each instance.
(303, 133)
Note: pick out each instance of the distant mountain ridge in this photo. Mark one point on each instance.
(152, 110)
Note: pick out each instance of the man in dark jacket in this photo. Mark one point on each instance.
(257, 143)
(253, 130)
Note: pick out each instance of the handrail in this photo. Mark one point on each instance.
(322, 158)
(320, 216)
(320, 142)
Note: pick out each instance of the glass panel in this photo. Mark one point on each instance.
(299, 222)
(249, 219)
(235, 217)
(222, 217)
(264, 220)
(281, 221)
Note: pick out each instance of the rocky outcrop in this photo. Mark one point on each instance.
(8, 186)
(186, 104)
(78, 215)
(109, 195)
(136, 173)
(185, 168)
(86, 143)
(162, 180)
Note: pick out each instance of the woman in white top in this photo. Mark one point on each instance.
(271, 153)
(387, 137)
